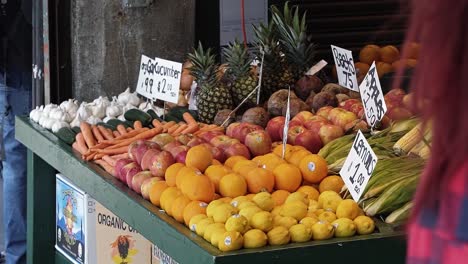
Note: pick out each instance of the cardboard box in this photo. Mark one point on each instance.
(111, 240)
(70, 220)
(159, 257)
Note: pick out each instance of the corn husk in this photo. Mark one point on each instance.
(400, 215)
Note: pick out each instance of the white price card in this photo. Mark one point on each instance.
(159, 79)
(316, 68)
(345, 68)
(358, 167)
(372, 97)
(286, 123)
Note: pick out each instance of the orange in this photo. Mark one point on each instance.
(314, 168)
(178, 207)
(171, 173)
(232, 160)
(259, 180)
(296, 157)
(369, 54)
(287, 177)
(199, 157)
(331, 183)
(156, 191)
(271, 163)
(311, 192)
(242, 164)
(383, 68)
(413, 50)
(216, 162)
(193, 208)
(215, 173)
(244, 170)
(297, 148)
(197, 186)
(404, 63)
(280, 196)
(182, 173)
(167, 198)
(362, 67)
(258, 160)
(232, 185)
(278, 151)
(389, 54)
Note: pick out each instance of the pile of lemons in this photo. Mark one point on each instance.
(257, 220)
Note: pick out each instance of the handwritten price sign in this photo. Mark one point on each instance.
(159, 79)
(345, 68)
(372, 97)
(358, 167)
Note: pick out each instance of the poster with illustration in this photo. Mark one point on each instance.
(70, 220)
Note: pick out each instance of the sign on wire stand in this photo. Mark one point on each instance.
(372, 97)
(286, 123)
(345, 69)
(316, 68)
(358, 167)
(159, 79)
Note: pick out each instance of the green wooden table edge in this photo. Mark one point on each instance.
(173, 238)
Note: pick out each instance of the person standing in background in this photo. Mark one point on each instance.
(15, 99)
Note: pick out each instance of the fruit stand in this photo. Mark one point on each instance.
(47, 154)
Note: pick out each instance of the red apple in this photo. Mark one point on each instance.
(218, 154)
(237, 149)
(130, 173)
(195, 141)
(292, 123)
(172, 145)
(399, 113)
(208, 135)
(146, 160)
(185, 138)
(303, 116)
(163, 139)
(119, 164)
(356, 125)
(241, 132)
(174, 151)
(330, 132)
(275, 127)
(309, 140)
(160, 163)
(258, 142)
(230, 129)
(133, 166)
(223, 141)
(137, 180)
(343, 118)
(147, 184)
(180, 157)
(356, 108)
(408, 101)
(395, 95)
(324, 111)
(315, 124)
(349, 103)
(361, 114)
(293, 132)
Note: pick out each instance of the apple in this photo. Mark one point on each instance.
(242, 130)
(399, 113)
(223, 141)
(408, 101)
(163, 139)
(180, 157)
(160, 162)
(137, 180)
(147, 184)
(342, 118)
(174, 151)
(330, 132)
(230, 129)
(293, 132)
(172, 145)
(237, 149)
(146, 160)
(309, 140)
(185, 138)
(275, 127)
(323, 111)
(125, 169)
(395, 95)
(316, 123)
(356, 108)
(208, 135)
(258, 142)
(361, 114)
(292, 123)
(356, 125)
(130, 172)
(218, 154)
(119, 164)
(334, 113)
(195, 141)
(303, 116)
(349, 103)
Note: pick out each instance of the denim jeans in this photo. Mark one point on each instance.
(14, 101)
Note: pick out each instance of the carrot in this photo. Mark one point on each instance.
(129, 129)
(143, 135)
(119, 156)
(106, 133)
(179, 130)
(137, 124)
(87, 134)
(116, 133)
(127, 135)
(97, 134)
(168, 125)
(106, 166)
(81, 144)
(90, 156)
(121, 129)
(192, 128)
(172, 128)
(75, 147)
(156, 123)
(109, 160)
(188, 118)
(113, 151)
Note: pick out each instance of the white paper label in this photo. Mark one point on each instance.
(316, 68)
(286, 123)
(372, 97)
(358, 167)
(345, 68)
(159, 79)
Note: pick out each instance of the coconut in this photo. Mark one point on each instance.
(324, 99)
(222, 115)
(256, 115)
(296, 105)
(278, 100)
(332, 88)
(307, 84)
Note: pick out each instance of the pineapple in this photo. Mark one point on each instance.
(212, 96)
(294, 41)
(239, 73)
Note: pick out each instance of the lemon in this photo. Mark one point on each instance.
(248, 212)
(238, 200)
(211, 206)
(276, 210)
(210, 229)
(262, 220)
(264, 201)
(278, 236)
(194, 221)
(347, 209)
(313, 205)
(295, 209)
(329, 200)
(230, 240)
(245, 204)
(223, 212)
(344, 227)
(319, 212)
(300, 233)
(298, 196)
(216, 236)
(309, 221)
(364, 225)
(322, 230)
(201, 226)
(237, 223)
(286, 221)
(255, 238)
(327, 216)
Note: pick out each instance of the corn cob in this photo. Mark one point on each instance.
(425, 152)
(409, 140)
(399, 215)
(404, 125)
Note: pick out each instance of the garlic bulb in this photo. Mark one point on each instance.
(102, 100)
(58, 125)
(66, 117)
(49, 122)
(76, 121)
(121, 117)
(56, 113)
(83, 111)
(123, 98)
(69, 106)
(42, 119)
(93, 120)
(114, 109)
(35, 114)
(98, 109)
(128, 107)
(49, 107)
(134, 99)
